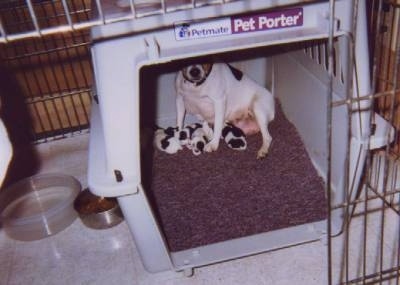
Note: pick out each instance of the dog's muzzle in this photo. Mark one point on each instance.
(195, 74)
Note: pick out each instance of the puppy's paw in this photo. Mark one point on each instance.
(211, 146)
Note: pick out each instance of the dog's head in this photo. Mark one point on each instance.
(197, 73)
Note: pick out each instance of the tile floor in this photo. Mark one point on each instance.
(79, 255)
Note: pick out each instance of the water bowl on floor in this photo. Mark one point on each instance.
(98, 212)
(38, 206)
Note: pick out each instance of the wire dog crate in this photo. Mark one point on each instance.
(323, 50)
(52, 74)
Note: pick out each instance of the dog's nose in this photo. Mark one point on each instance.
(194, 72)
(200, 146)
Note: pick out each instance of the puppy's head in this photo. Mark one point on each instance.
(198, 144)
(197, 73)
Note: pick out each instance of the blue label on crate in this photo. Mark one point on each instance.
(197, 30)
(240, 24)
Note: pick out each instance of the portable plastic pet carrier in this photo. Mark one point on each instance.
(290, 41)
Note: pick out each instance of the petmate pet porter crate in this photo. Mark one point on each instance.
(138, 59)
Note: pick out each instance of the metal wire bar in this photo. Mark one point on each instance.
(386, 172)
(370, 197)
(67, 14)
(100, 11)
(2, 30)
(396, 72)
(367, 97)
(329, 135)
(375, 277)
(33, 16)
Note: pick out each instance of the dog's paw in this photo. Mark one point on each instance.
(211, 146)
(262, 152)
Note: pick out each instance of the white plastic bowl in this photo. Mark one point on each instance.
(38, 206)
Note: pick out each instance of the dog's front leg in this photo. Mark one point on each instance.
(180, 111)
(219, 117)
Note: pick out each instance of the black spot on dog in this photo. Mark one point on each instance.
(236, 73)
(236, 143)
(237, 132)
(170, 131)
(165, 143)
(200, 146)
(182, 135)
(225, 131)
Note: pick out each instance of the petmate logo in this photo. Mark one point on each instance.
(188, 31)
(240, 24)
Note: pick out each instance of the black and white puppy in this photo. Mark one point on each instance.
(218, 93)
(195, 137)
(198, 140)
(234, 137)
(167, 140)
(185, 135)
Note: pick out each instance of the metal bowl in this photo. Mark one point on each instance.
(38, 206)
(97, 212)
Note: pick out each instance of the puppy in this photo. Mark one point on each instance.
(198, 140)
(185, 135)
(234, 137)
(218, 93)
(166, 140)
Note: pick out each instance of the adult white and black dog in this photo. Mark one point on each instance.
(218, 93)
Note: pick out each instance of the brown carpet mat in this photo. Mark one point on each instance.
(229, 194)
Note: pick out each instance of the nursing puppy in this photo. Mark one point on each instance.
(167, 140)
(218, 93)
(185, 134)
(234, 137)
(198, 141)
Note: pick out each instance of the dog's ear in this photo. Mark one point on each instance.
(207, 67)
(170, 131)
